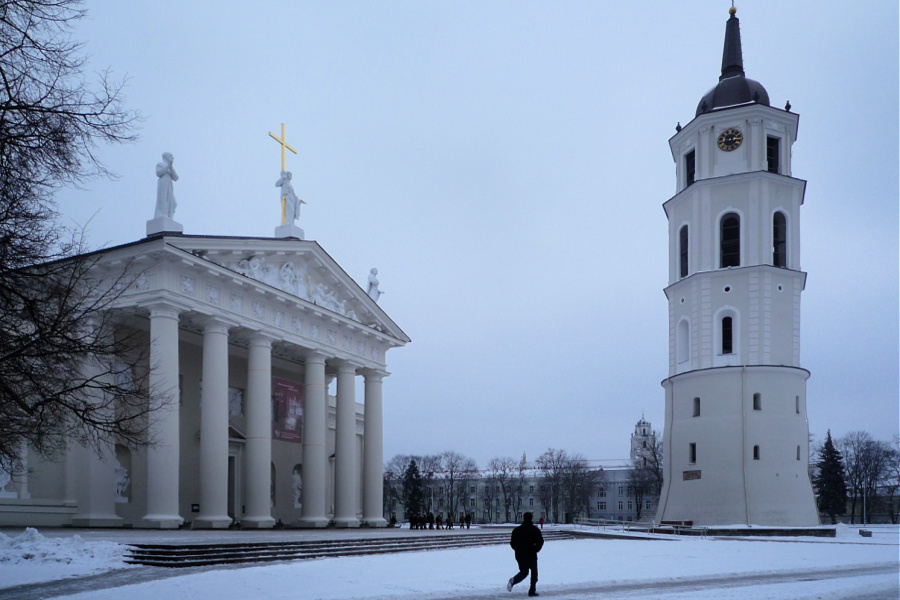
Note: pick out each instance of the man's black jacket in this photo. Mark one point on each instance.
(526, 539)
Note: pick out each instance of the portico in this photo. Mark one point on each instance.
(246, 336)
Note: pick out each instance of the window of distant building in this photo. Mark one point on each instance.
(601, 506)
(531, 502)
(601, 492)
(621, 504)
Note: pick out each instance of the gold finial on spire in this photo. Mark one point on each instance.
(733, 9)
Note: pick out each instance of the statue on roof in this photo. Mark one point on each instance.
(291, 203)
(165, 190)
(373, 291)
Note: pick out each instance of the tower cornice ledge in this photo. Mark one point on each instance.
(711, 182)
(735, 368)
(728, 272)
(737, 112)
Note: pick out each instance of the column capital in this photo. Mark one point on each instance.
(343, 365)
(261, 340)
(373, 374)
(163, 310)
(212, 324)
(313, 356)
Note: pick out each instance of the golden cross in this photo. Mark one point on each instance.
(283, 141)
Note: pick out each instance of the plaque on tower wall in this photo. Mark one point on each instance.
(287, 411)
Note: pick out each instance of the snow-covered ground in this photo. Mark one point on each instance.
(663, 569)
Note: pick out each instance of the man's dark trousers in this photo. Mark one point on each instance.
(527, 561)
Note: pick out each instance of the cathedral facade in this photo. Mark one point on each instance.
(247, 338)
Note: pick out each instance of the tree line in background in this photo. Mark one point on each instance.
(855, 476)
(859, 473)
(444, 483)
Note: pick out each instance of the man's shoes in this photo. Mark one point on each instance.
(533, 593)
(509, 585)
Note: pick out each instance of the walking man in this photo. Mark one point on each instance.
(527, 541)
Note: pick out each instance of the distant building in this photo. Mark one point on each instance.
(612, 497)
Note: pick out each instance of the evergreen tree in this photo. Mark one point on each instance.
(413, 490)
(830, 482)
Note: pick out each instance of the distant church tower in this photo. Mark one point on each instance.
(642, 441)
(736, 434)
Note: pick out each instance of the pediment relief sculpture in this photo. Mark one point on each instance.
(294, 277)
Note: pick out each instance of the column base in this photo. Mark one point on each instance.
(97, 521)
(257, 523)
(376, 523)
(346, 523)
(161, 522)
(310, 523)
(212, 522)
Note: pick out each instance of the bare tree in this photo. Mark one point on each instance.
(393, 481)
(502, 471)
(578, 482)
(551, 464)
(456, 470)
(65, 368)
(867, 468)
(517, 487)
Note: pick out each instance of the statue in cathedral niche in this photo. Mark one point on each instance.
(165, 190)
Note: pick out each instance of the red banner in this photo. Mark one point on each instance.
(287, 411)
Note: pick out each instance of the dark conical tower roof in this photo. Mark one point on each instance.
(734, 87)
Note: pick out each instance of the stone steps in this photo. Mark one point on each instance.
(197, 555)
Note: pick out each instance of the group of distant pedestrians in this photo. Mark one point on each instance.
(430, 521)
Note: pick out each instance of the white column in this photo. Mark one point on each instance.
(345, 448)
(163, 456)
(314, 455)
(95, 488)
(259, 434)
(373, 452)
(214, 429)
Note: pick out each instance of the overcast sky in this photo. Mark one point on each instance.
(503, 165)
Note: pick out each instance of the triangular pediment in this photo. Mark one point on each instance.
(299, 268)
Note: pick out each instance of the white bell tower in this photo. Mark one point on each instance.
(736, 433)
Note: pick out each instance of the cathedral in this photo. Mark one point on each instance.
(246, 336)
(736, 432)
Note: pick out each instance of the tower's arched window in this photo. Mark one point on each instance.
(683, 251)
(779, 240)
(696, 407)
(727, 336)
(683, 341)
(755, 452)
(730, 241)
(690, 165)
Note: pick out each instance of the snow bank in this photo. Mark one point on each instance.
(30, 557)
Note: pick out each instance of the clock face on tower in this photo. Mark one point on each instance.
(730, 139)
